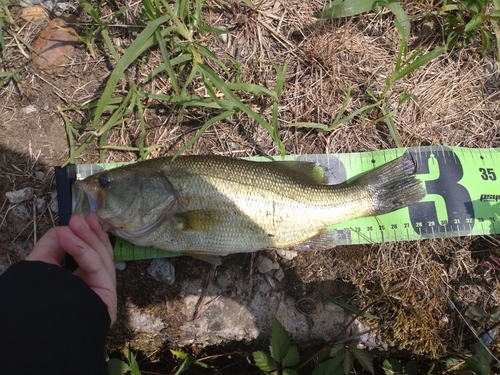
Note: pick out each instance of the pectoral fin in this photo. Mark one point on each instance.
(197, 221)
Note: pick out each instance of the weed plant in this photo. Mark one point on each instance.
(169, 28)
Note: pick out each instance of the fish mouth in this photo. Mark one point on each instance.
(84, 201)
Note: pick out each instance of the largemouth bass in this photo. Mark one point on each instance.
(207, 206)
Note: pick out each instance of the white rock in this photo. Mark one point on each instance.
(120, 266)
(279, 275)
(18, 196)
(41, 205)
(264, 265)
(54, 205)
(287, 254)
(162, 271)
(21, 212)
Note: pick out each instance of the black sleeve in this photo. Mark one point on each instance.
(51, 322)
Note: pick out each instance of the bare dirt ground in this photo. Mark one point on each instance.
(434, 281)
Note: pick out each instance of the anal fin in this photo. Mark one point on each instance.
(325, 239)
(209, 258)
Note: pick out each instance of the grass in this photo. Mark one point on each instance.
(172, 26)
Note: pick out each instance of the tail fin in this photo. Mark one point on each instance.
(393, 185)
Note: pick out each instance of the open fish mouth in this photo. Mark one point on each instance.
(84, 201)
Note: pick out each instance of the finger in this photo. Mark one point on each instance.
(86, 257)
(48, 249)
(96, 227)
(105, 250)
(81, 228)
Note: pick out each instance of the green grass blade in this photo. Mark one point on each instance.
(92, 12)
(80, 149)
(344, 106)
(401, 19)
(152, 10)
(193, 100)
(202, 130)
(359, 111)
(280, 79)
(173, 62)
(166, 61)
(347, 8)
(311, 125)
(255, 89)
(117, 117)
(143, 42)
(346, 306)
(248, 3)
(109, 44)
(214, 79)
(205, 52)
(119, 113)
(2, 40)
(179, 28)
(496, 27)
(142, 137)
(393, 130)
(190, 78)
(420, 61)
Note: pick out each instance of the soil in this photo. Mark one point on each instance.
(422, 288)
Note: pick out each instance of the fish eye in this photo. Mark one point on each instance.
(103, 180)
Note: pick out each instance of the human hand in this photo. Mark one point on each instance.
(89, 245)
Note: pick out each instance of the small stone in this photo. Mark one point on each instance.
(287, 254)
(54, 205)
(222, 281)
(39, 175)
(41, 205)
(29, 3)
(120, 266)
(36, 14)
(162, 271)
(446, 128)
(488, 337)
(224, 36)
(18, 196)
(143, 322)
(264, 265)
(29, 109)
(270, 280)
(55, 45)
(21, 212)
(279, 275)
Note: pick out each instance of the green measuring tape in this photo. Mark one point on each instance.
(463, 196)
